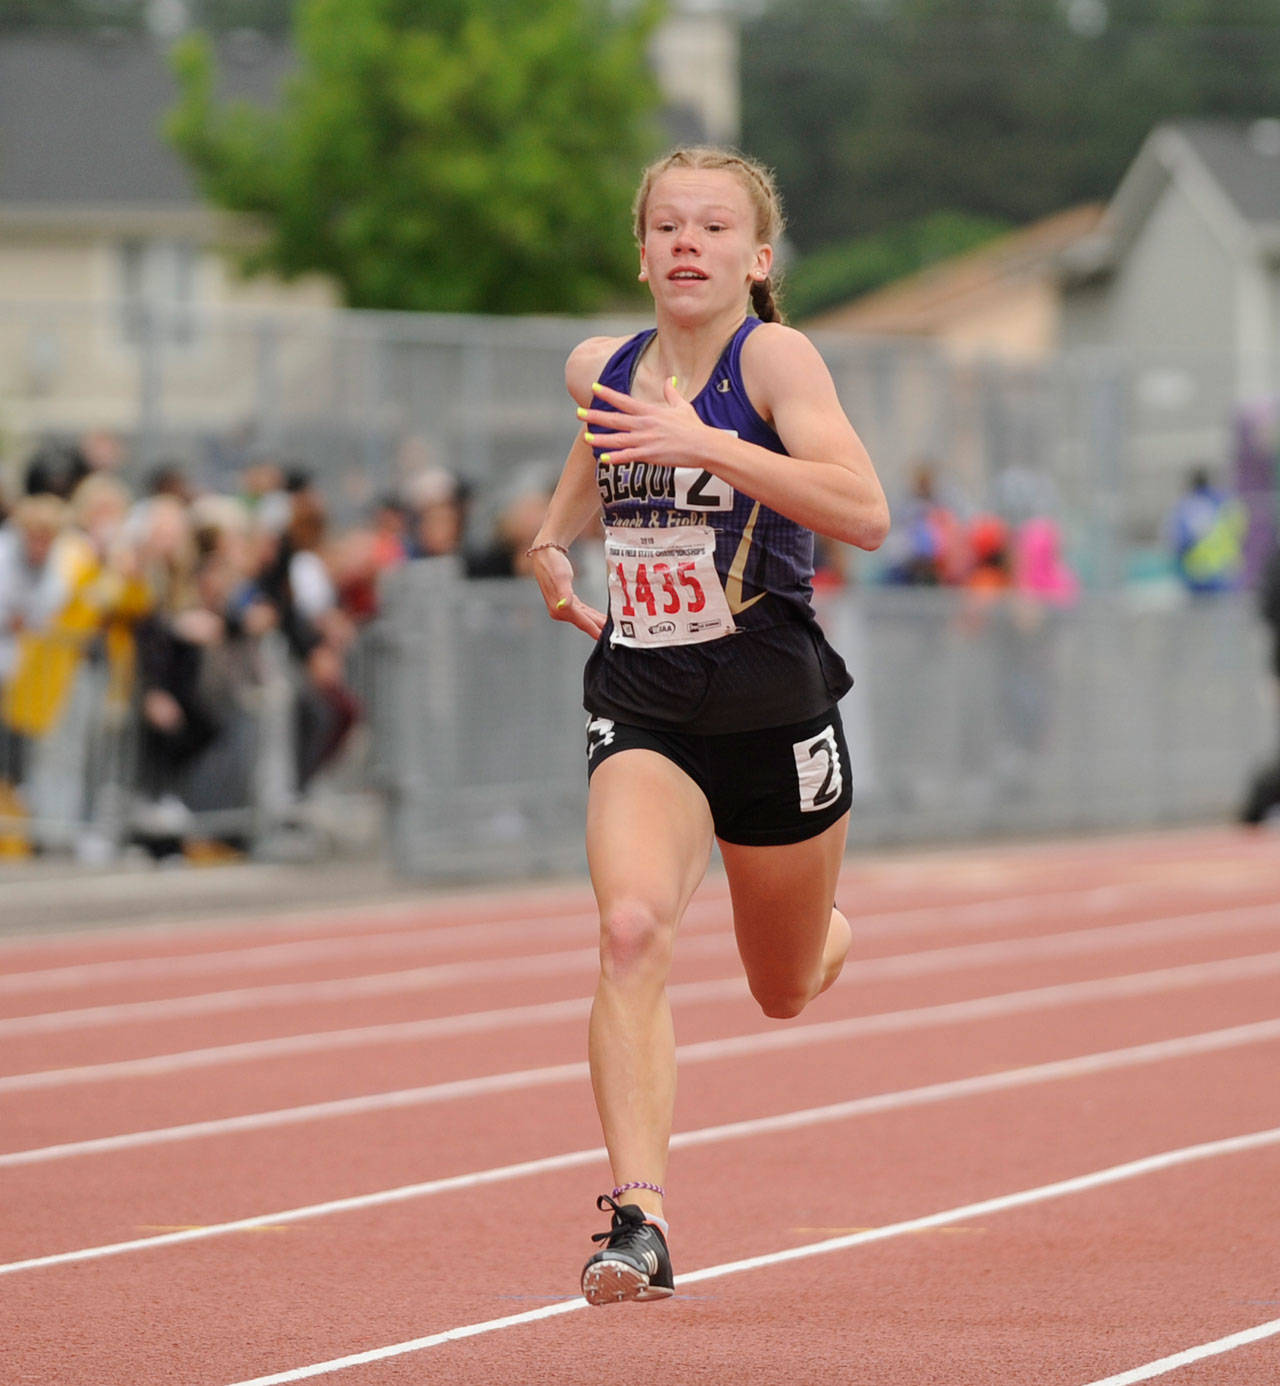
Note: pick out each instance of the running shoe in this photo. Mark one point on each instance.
(634, 1262)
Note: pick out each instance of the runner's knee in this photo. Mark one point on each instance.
(634, 939)
(783, 998)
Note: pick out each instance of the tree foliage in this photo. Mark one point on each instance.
(443, 155)
(217, 16)
(838, 272)
(875, 112)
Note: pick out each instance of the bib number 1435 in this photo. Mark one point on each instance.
(663, 587)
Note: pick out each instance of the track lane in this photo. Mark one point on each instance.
(378, 1277)
(247, 1164)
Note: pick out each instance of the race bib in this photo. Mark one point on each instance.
(664, 588)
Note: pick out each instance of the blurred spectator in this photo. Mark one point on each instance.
(514, 530)
(990, 558)
(57, 467)
(319, 635)
(175, 722)
(925, 545)
(30, 593)
(1206, 536)
(439, 503)
(100, 595)
(1040, 572)
(169, 478)
(390, 524)
(1263, 796)
(262, 490)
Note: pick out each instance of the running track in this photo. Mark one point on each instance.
(1032, 1138)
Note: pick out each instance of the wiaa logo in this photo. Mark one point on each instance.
(663, 628)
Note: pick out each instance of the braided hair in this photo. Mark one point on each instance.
(761, 189)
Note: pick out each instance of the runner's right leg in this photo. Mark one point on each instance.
(649, 836)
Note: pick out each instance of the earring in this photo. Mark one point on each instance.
(643, 276)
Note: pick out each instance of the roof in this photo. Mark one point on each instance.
(1229, 169)
(80, 118)
(1244, 161)
(925, 302)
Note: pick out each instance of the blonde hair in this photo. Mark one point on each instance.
(759, 185)
(98, 491)
(39, 514)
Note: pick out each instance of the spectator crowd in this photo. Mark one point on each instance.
(142, 623)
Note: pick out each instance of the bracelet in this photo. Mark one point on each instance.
(550, 544)
(638, 1184)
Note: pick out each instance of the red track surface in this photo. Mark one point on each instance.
(1014, 1019)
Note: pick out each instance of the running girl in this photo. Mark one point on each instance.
(716, 446)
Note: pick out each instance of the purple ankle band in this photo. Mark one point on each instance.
(638, 1184)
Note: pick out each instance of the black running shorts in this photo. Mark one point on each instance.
(768, 787)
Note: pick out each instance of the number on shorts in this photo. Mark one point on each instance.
(819, 774)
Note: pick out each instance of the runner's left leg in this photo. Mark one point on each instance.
(792, 939)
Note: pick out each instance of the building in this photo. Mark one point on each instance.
(1177, 295)
(105, 238)
(1001, 300)
(1186, 262)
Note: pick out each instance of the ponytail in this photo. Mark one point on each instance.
(764, 303)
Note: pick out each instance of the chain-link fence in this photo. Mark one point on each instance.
(1100, 440)
(1136, 706)
(970, 716)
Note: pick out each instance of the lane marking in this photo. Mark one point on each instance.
(1091, 899)
(1195, 1354)
(282, 954)
(1212, 1041)
(1084, 1183)
(433, 975)
(1099, 939)
(429, 906)
(758, 1042)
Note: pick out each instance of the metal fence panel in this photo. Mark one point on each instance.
(966, 720)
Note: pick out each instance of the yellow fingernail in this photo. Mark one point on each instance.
(673, 382)
(604, 457)
(562, 603)
(596, 386)
(589, 437)
(582, 413)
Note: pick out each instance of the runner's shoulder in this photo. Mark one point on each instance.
(585, 363)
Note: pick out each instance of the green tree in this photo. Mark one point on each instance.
(440, 155)
(838, 272)
(879, 111)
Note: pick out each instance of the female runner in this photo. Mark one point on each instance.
(716, 446)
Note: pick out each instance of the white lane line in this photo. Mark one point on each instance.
(1084, 1183)
(427, 936)
(430, 907)
(1158, 1051)
(1195, 1354)
(1105, 938)
(299, 993)
(433, 975)
(284, 954)
(705, 1051)
(1087, 900)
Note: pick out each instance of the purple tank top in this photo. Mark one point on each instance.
(771, 553)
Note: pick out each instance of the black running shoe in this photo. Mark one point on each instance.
(634, 1262)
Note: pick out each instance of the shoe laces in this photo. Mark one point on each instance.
(628, 1224)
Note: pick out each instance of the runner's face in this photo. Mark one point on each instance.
(700, 251)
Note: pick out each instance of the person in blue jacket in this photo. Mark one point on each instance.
(715, 446)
